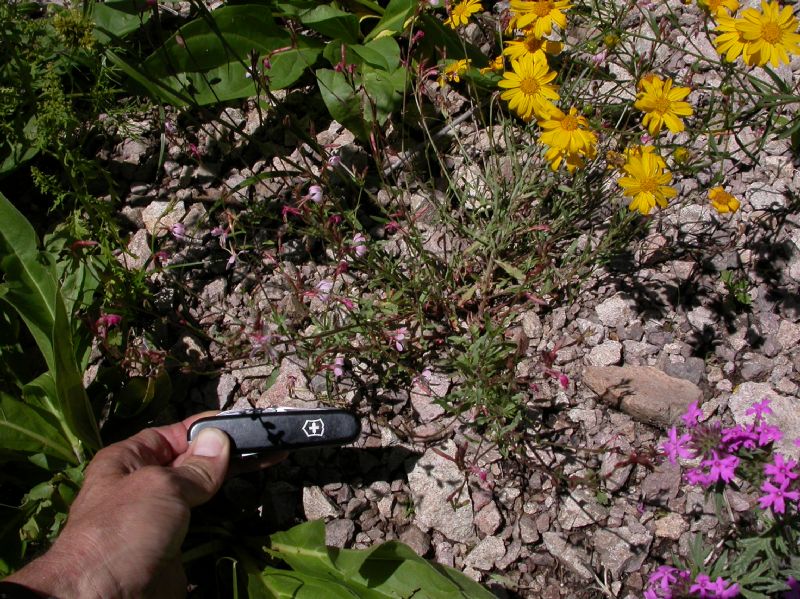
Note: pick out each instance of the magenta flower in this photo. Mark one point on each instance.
(767, 434)
(663, 576)
(334, 161)
(104, 323)
(739, 436)
(692, 414)
(781, 470)
(696, 476)
(222, 233)
(703, 587)
(760, 409)
(725, 589)
(721, 468)
(776, 496)
(675, 448)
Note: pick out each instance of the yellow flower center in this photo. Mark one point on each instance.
(662, 105)
(771, 32)
(529, 86)
(533, 44)
(569, 123)
(542, 9)
(648, 185)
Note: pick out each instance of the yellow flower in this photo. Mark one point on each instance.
(568, 132)
(528, 88)
(769, 33)
(719, 7)
(496, 65)
(572, 160)
(531, 44)
(681, 156)
(663, 105)
(730, 42)
(453, 71)
(637, 151)
(461, 12)
(722, 201)
(647, 183)
(540, 15)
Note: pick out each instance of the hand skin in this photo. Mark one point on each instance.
(125, 529)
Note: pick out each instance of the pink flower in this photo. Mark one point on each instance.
(360, 245)
(324, 288)
(334, 220)
(760, 409)
(767, 434)
(696, 476)
(338, 366)
(287, 210)
(178, 231)
(781, 470)
(739, 436)
(721, 468)
(106, 322)
(222, 233)
(194, 151)
(675, 448)
(563, 380)
(692, 414)
(397, 337)
(260, 342)
(775, 496)
(315, 194)
(334, 161)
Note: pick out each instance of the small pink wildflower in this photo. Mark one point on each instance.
(324, 288)
(563, 380)
(675, 447)
(334, 220)
(721, 468)
(194, 151)
(334, 161)
(693, 413)
(780, 469)
(222, 233)
(338, 366)
(768, 434)
(106, 322)
(178, 231)
(315, 194)
(760, 409)
(360, 245)
(776, 496)
(697, 477)
(397, 337)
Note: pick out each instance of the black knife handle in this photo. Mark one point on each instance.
(258, 431)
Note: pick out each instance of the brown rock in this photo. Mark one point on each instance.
(643, 392)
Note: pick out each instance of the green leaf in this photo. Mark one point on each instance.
(115, 19)
(332, 22)
(342, 102)
(208, 59)
(385, 571)
(511, 270)
(394, 19)
(25, 430)
(31, 288)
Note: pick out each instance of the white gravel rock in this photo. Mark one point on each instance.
(573, 558)
(316, 505)
(486, 553)
(432, 479)
(608, 353)
(615, 311)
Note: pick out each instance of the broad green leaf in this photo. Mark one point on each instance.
(31, 288)
(382, 54)
(332, 22)
(25, 430)
(383, 92)
(208, 59)
(342, 102)
(115, 19)
(443, 42)
(394, 19)
(390, 570)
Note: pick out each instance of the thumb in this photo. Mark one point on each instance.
(204, 466)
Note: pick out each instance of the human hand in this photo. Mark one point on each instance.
(125, 529)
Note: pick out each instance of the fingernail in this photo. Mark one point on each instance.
(209, 443)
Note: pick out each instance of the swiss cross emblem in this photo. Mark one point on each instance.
(314, 428)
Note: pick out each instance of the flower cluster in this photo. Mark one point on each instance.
(461, 12)
(761, 36)
(722, 449)
(667, 582)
